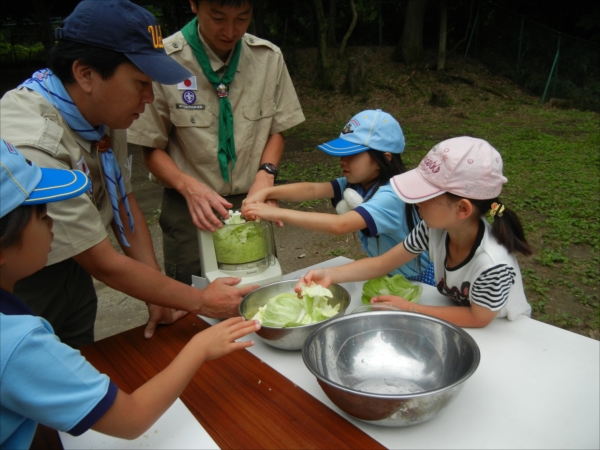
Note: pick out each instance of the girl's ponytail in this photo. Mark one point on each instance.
(507, 229)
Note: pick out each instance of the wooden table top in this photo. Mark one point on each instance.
(239, 400)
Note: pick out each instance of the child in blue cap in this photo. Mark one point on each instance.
(369, 148)
(43, 380)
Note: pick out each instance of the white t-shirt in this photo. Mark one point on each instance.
(489, 277)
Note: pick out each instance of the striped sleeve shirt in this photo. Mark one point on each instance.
(487, 277)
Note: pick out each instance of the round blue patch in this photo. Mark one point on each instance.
(188, 97)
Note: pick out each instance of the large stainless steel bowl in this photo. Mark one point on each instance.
(391, 368)
(287, 338)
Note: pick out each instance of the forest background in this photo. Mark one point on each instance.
(522, 76)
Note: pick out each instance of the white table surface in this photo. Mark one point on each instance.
(537, 386)
(177, 428)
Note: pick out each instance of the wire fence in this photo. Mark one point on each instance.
(545, 62)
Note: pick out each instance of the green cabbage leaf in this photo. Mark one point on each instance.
(395, 285)
(287, 310)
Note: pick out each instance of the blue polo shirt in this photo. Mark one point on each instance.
(43, 380)
(386, 224)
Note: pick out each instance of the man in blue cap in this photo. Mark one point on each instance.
(73, 115)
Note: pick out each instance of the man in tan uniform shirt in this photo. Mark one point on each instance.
(180, 129)
(103, 79)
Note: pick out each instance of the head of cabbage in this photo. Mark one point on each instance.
(395, 285)
(287, 310)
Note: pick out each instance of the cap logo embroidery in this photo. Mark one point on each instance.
(434, 166)
(156, 33)
(348, 128)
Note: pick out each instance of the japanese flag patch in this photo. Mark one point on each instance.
(189, 84)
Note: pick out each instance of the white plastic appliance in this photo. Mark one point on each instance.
(245, 250)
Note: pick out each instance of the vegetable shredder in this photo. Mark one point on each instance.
(239, 249)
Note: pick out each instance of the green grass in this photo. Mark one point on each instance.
(551, 159)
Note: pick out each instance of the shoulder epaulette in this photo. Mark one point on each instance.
(254, 41)
(174, 43)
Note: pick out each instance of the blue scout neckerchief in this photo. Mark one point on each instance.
(45, 83)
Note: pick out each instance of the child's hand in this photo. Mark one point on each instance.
(393, 300)
(219, 339)
(263, 211)
(259, 196)
(256, 197)
(319, 276)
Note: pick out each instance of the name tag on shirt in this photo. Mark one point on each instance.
(189, 84)
(182, 106)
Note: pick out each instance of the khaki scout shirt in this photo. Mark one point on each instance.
(38, 131)
(263, 100)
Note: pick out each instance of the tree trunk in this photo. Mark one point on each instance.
(466, 30)
(257, 18)
(441, 64)
(41, 15)
(357, 72)
(331, 37)
(323, 75)
(349, 32)
(410, 48)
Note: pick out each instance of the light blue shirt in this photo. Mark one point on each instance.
(43, 380)
(384, 214)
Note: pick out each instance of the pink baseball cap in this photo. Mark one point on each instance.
(463, 166)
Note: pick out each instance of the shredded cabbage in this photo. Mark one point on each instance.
(239, 241)
(394, 285)
(287, 310)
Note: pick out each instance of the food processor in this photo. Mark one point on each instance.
(240, 248)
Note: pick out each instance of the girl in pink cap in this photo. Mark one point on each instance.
(454, 186)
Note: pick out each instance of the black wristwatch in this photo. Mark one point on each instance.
(269, 168)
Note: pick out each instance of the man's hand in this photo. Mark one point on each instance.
(221, 298)
(159, 315)
(201, 201)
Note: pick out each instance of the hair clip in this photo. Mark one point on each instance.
(497, 209)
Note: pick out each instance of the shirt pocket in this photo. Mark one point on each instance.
(257, 119)
(191, 118)
(196, 134)
(261, 109)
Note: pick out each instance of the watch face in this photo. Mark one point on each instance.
(269, 168)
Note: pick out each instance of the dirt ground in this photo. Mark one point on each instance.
(296, 248)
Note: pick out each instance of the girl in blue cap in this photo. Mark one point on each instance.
(43, 380)
(369, 148)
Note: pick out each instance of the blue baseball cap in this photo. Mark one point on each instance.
(24, 183)
(124, 27)
(367, 130)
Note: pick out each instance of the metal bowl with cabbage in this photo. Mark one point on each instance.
(286, 320)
